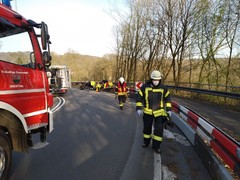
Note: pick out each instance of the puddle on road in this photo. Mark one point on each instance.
(177, 137)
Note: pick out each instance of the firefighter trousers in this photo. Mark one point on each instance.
(157, 123)
(122, 100)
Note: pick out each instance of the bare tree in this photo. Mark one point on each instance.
(153, 49)
(232, 19)
(166, 34)
(177, 21)
(130, 42)
(210, 37)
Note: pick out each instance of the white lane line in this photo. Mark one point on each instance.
(157, 167)
(61, 102)
(161, 172)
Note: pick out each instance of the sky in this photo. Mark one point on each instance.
(82, 26)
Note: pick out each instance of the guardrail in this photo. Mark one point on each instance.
(208, 92)
(218, 87)
(196, 90)
(222, 145)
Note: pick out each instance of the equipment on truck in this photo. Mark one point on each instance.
(25, 99)
(59, 79)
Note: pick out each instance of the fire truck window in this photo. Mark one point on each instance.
(17, 49)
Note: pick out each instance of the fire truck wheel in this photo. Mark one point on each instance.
(5, 155)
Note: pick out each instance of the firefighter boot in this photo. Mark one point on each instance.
(158, 151)
(156, 147)
(144, 145)
(146, 142)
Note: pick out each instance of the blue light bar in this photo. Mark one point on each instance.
(6, 3)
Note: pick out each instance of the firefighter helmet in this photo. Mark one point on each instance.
(156, 75)
(121, 79)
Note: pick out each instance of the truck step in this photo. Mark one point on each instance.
(40, 145)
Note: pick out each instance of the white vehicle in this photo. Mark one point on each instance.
(59, 79)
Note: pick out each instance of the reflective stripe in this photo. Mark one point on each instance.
(157, 138)
(22, 91)
(166, 95)
(148, 111)
(139, 104)
(121, 93)
(161, 102)
(160, 112)
(35, 113)
(157, 90)
(146, 96)
(121, 104)
(140, 93)
(147, 136)
(168, 105)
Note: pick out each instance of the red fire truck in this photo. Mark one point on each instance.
(25, 99)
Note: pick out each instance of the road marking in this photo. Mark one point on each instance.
(157, 167)
(61, 102)
(161, 172)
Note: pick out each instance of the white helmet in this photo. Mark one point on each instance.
(156, 75)
(121, 79)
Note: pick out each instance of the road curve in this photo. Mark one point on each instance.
(94, 139)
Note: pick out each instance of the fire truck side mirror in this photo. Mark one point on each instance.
(44, 35)
(46, 58)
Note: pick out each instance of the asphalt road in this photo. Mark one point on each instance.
(94, 139)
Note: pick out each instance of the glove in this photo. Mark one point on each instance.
(139, 112)
(169, 113)
(169, 120)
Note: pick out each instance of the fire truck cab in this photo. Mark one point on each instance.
(25, 100)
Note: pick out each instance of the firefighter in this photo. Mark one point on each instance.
(92, 85)
(98, 87)
(121, 92)
(154, 103)
(105, 84)
(110, 84)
